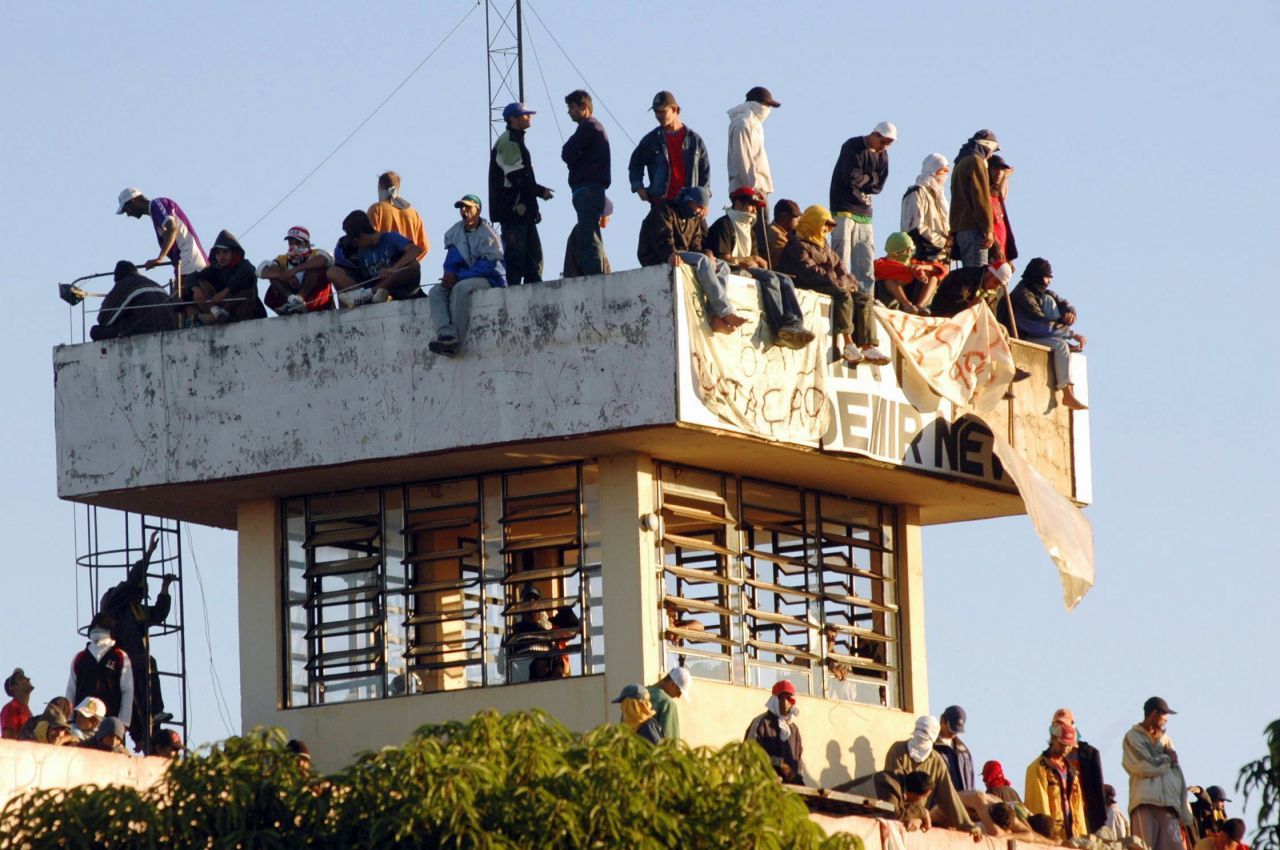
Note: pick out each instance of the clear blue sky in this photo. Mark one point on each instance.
(1143, 136)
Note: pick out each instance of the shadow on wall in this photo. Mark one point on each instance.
(836, 773)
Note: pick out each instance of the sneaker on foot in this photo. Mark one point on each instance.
(1020, 375)
(294, 304)
(794, 335)
(852, 354)
(380, 295)
(355, 297)
(219, 313)
(875, 356)
(446, 345)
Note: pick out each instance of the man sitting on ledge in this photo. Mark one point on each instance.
(135, 305)
(1045, 318)
(917, 754)
(472, 261)
(673, 232)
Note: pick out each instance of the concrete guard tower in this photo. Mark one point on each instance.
(555, 513)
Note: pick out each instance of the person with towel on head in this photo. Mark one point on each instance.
(1053, 783)
(926, 213)
(638, 714)
(917, 754)
(776, 731)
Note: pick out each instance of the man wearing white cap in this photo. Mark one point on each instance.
(178, 240)
(662, 697)
(860, 172)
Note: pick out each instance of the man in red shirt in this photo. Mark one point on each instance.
(999, 172)
(16, 712)
(672, 156)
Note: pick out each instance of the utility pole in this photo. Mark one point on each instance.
(504, 47)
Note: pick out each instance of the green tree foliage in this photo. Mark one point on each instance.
(514, 781)
(1262, 777)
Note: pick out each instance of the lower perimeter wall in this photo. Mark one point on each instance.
(879, 834)
(27, 766)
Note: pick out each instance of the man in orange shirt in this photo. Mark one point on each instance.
(393, 214)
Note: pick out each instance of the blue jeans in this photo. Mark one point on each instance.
(967, 248)
(855, 242)
(588, 203)
(777, 297)
(711, 275)
(1061, 354)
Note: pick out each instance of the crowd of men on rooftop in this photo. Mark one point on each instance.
(829, 250)
(929, 778)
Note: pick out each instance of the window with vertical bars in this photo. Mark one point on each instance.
(442, 585)
(765, 581)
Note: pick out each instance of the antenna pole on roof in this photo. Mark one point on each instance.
(504, 47)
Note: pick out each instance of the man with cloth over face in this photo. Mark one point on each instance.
(917, 754)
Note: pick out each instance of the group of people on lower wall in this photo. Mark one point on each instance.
(830, 250)
(929, 778)
(114, 684)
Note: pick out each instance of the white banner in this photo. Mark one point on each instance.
(746, 380)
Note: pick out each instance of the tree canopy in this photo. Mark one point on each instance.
(495, 781)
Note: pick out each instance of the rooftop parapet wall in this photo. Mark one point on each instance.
(184, 424)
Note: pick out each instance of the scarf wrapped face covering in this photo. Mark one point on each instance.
(812, 224)
(929, 179)
(392, 194)
(993, 775)
(636, 712)
(920, 745)
(785, 720)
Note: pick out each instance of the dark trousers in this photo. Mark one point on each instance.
(588, 203)
(522, 253)
(851, 313)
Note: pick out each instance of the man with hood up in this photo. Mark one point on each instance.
(226, 291)
(904, 282)
(972, 222)
(777, 732)
(735, 239)
(393, 214)
(1044, 317)
(815, 266)
(926, 214)
(135, 305)
(748, 162)
(126, 603)
(674, 232)
(102, 670)
(917, 754)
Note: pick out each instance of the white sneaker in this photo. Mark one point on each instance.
(219, 313)
(355, 297)
(875, 356)
(380, 295)
(852, 354)
(294, 304)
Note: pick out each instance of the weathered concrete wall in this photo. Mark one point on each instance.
(553, 360)
(27, 766)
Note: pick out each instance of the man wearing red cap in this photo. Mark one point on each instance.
(299, 277)
(775, 730)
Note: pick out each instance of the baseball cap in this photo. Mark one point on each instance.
(14, 676)
(955, 717)
(92, 707)
(1002, 272)
(786, 207)
(663, 98)
(886, 129)
(632, 691)
(784, 687)
(760, 94)
(167, 738)
(997, 163)
(746, 193)
(511, 110)
(468, 199)
(127, 195)
(299, 233)
(683, 679)
(1156, 704)
(1216, 794)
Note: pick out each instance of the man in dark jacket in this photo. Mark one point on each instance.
(815, 266)
(972, 225)
(860, 173)
(674, 156)
(227, 290)
(1045, 317)
(734, 238)
(954, 750)
(126, 603)
(587, 155)
(674, 232)
(998, 172)
(102, 670)
(778, 735)
(962, 288)
(135, 305)
(513, 198)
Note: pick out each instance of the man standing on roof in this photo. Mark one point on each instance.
(777, 733)
(513, 197)
(178, 240)
(951, 748)
(748, 162)
(102, 670)
(587, 155)
(393, 214)
(998, 172)
(663, 696)
(860, 173)
(972, 222)
(472, 262)
(673, 156)
(1157, 789)
(926, 214)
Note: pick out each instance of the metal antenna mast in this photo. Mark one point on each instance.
(504, 43)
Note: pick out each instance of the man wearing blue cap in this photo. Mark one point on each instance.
(513, 197)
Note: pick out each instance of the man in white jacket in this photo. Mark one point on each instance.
(748, 162)
(1157, 790)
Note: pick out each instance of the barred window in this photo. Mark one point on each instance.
(443, 585)
(766, 581)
